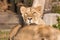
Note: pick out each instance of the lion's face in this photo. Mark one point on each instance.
(30, 14)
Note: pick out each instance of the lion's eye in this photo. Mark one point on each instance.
(34, 13)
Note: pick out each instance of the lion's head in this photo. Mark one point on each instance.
(32, 14)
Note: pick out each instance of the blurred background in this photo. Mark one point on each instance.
(10, 14)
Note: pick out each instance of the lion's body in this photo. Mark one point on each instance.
(34, 32)
(38, 32)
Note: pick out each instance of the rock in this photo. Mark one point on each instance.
(8, 19)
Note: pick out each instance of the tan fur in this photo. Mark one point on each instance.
(34, 32)
(32, 15)
(38, 32)
(14, 31)
(29, 12)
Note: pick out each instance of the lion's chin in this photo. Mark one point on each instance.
(33, 24)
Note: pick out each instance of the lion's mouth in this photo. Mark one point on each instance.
(31, 23)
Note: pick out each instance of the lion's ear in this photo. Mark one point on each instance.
(38, 8)
(23, 9)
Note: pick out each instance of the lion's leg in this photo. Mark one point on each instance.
(14, 31)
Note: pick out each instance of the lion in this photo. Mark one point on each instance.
(29, 15)
(37, 32)
(32, 15)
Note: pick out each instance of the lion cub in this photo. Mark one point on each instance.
(32, 15)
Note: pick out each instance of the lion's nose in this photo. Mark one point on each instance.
(42, 39)
(29, 18)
